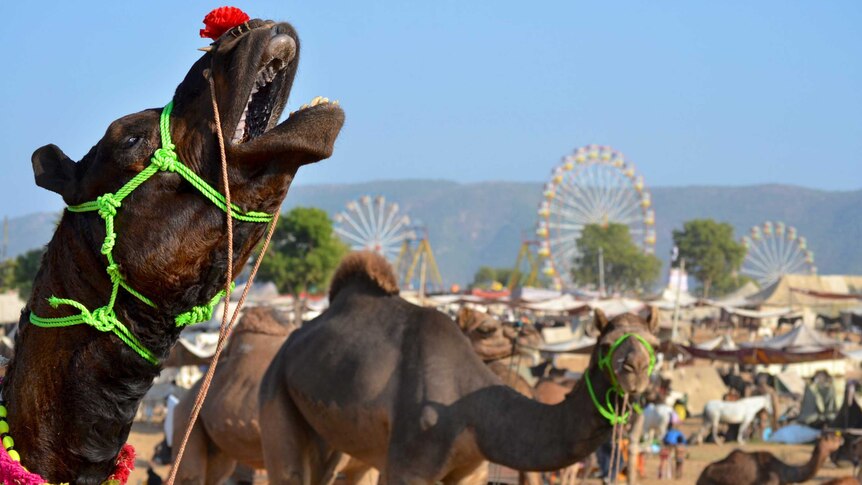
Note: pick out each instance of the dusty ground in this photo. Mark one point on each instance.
(145, 437)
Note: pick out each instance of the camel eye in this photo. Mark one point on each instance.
(131, 141)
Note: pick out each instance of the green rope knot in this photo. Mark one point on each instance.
(165, 159)
(108, 205)
(113, 271)
(102, 318)
(196, 314)
(201, 313)
(110, 241)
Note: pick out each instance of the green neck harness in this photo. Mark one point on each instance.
(607, 409)
(103, 318)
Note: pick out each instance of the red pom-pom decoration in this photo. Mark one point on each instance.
(221, 20)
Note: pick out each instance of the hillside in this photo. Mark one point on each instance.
(483, 223)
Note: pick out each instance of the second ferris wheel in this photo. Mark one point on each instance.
(593, 185)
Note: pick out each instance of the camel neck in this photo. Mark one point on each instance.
(527, 435)
(73, 392)
(804, 472)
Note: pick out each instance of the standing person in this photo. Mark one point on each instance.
(675, 442)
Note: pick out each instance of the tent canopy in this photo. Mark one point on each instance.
(802, 344)
(803, 289)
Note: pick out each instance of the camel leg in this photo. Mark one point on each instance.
(200, 465)
(361, 476)
(476, 476)
(285, 439)
(529, 478)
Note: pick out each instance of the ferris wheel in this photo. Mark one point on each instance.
(373, 224)
(593, 185)
(775, 249)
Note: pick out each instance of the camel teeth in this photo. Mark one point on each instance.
(316, 100)
(335, 103)
(305, 106)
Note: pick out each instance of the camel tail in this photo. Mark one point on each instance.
(364, 266)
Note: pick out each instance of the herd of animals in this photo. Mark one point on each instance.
(374, 384)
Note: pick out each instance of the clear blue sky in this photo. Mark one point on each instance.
(726, 93)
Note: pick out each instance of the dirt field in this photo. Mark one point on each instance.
(145, 438)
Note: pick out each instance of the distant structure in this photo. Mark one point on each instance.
(371, 223)
(416, 265)
(775, 249)
(527, 266)
(593, 185)
(4, 251)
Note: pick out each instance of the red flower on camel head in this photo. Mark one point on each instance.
(221, 20)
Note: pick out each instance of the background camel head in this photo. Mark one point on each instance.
(486, 334)
(630, 361)
(830, 442)
(171, 242)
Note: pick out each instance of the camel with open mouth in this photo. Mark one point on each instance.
(142, 249)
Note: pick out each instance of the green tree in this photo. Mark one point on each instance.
(304, 252)
(712, 254)
(486, 276)
(7, 274)
(627, 267)
(25, 268)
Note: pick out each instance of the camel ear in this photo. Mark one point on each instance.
(600, 320)
(54, 171)
(652, 319)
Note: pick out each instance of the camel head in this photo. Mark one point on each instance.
(171, 242)
(629, 360)
(486, 334)
(493, 339)
(829, 443)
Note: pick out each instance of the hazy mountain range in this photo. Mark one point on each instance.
(476, 224)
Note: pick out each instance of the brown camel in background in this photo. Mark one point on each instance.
(854, 445)
(762, 467)
(72, 392)
(227, 430)
(397, 386)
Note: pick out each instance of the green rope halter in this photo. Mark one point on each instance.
(607, 409)
(104, 319)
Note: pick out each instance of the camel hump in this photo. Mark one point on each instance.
(364, 266)
(264, 320)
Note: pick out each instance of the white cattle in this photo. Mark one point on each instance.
(657, 417)
(740, 412)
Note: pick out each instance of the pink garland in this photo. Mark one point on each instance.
(12, 473)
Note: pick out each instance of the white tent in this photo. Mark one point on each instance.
(561, 304)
